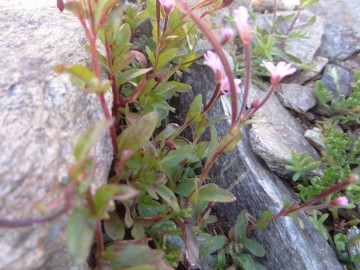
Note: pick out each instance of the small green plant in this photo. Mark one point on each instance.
(340, 160)
(300, 164)
(346, 110)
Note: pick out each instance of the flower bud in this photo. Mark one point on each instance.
(167, 6)
(255, 103)
(227, 34)
(340, 201)
(170, 145)
(241, 17)
(60, 5)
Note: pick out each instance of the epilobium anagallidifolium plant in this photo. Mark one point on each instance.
(158, 188)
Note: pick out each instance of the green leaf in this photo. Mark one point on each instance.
(83, 78)
(185, 188)
(135, 135)
(240, 227)
(83, 146)
(213, 146)
(131, 74)
(137, 231)
(150, 55)
(172, 160)
(168, 196)
(124, 35)
(231, 139)
(121, 49)
(79, 170)
(147, 207)
(307, 3)
(221, 260)
(76, 8)
(324, 96)
(193, 114)
(254, 247)
(246, 261)
(114, 227)
(105, 194)
(166, 57)
(124, 254)
(79, 232)
(216, 242)
(122, 61)
(103, 7)
(212, 193)
(263, 220)
(169, 89)
(169, 130)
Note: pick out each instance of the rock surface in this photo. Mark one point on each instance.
(303, 76)
(257, 189)
(268, 5)
(314, 137)
(341, 85)
(296, 97)
(42, 116)
(278, 135)
(342, 23)
(354, 248)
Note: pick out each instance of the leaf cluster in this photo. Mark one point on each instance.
(346, 110)
(340, 160)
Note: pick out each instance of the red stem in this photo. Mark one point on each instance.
(265, 99)
(112, 78)
(247, 51)
(213, 99)
(69, 192)
(92, 41)
(220, 52)
(206, 170)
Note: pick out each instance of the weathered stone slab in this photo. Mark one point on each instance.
(342, 22)
(268, 5)
(303, 76)
(41, 117)
(287, 245)
(297, 97)
(278, 136)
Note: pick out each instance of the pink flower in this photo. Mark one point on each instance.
(340, 201)
(227, 34)
(225, 86)
(241, 17)
(278, 72)
(167, 5)
(213, 61)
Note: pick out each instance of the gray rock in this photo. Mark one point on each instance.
(296, 97)
(314, 136)
(268, 5)
(341, 86)
(302, 48)
(41, 117)
(278, 136)
(304, 76)
(287, 244)
(342, 36)
(353, 63)
(354, 249)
